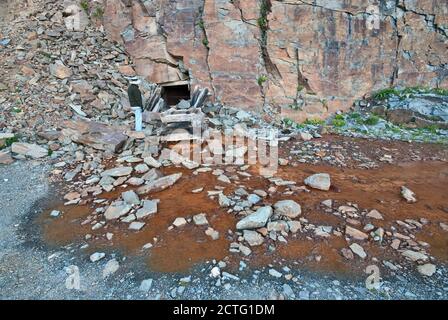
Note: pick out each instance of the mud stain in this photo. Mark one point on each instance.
(180, 249)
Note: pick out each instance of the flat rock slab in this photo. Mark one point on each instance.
(255, 220)
(130, 197)
(414, 255)
(5, 158)
(95, 134)
(355, 233)
(115, 212)
(427, 269)
(149, 208)
(136, 225)
(117, 172)
(160, 184)
(29, 150)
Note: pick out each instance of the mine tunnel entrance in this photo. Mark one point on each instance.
(173, 94)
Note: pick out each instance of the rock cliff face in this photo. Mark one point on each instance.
(305, 59)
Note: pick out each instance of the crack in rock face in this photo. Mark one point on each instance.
(319, 56)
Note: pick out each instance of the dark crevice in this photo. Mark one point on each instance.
(263, 23)
(205, 42)
(429, 19)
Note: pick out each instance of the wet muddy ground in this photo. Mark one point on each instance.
(37, 248)
(179, 250)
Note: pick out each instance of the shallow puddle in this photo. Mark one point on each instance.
(179, 249)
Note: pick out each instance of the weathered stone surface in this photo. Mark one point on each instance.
(358, 250)
(150, 161)
(255, 220)
(200, 219)
(149, 207)
(29, 150)
(319, 56)
(97, 256)
(110, 268)
(212, 233)
(414, 255)
(408, 195)
(136, 225)
(5, 158)
(375, 214)
(130, 197)
(223, 200)
(160, 184)
(294, 226)
(94, 134)
(287, 208)
(319, 181)
(427, 269)
(278, 226)
(253, 238)
(355, 233)
(115, 212)
(179, 222)
(60, 71)
(117, 172)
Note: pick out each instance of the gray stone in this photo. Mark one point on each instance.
(150, 161)
(427, 269)
(97, 256)
(179, 222)
(358, 250)
(212, 233)
(116, 211)
(253, 198)
(160, 184)
(149, 207)
(110, 268)
(29, 150)
(375, 214)
(59, 70)
(146, 285)
(355, 233)
(319, 181)
(55, 213)
(287, 208)
(253, 238)
(278, 226)
(200, 219)
(287, 291)
(275, 273)
(294, 226)
(136, 225)
(223, 200)
(414, 255)
(117, 172)
(255, 220)
(130, 197)
(141, 168)
(408, 195)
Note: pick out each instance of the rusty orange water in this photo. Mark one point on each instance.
(179, 249)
